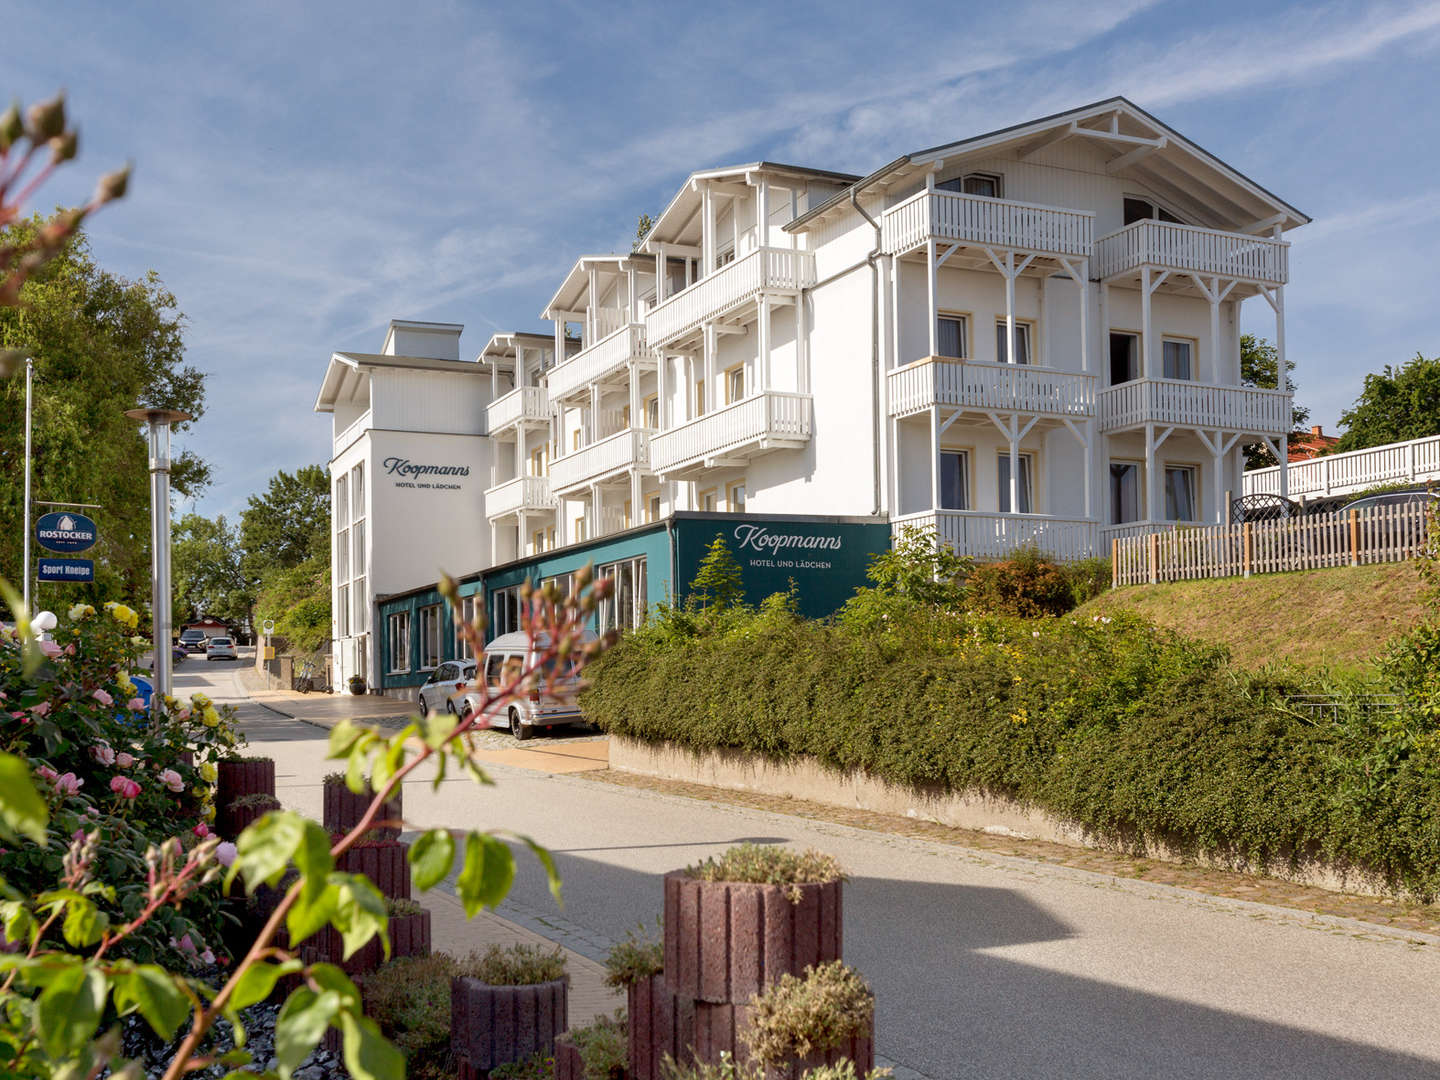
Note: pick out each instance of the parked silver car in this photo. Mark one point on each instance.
(553, 704)
(220, 648)
(446, 686)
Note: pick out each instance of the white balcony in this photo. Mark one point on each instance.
(1179, 403)
(524, 404)
(528, 493)
(1187, 249)
(769, 420)
(774, 270)
(983, 535)
(604, 459)
(983, 385)
(605, 359)
(1414, 462)
(352, 431)
(950, 217)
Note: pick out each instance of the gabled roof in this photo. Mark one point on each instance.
(346, 370)
(577, 281)
(499, 351)
(1145, 148)
(680, 212)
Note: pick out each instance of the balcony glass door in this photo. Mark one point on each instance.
(1124, 492)
(1024, 485)
(1124, 358)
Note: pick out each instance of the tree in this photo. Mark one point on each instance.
(287, 524)
(717, 582)
(643, 225)
(101, 344)
(1260, 368)
(922, 568)
(209, 573)
(1395, 405)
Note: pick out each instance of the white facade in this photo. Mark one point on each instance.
(409, 466)
(1030, 336)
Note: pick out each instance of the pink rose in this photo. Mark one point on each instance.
(124, 760)
(172, 780)
(207, 957)
(136, 704)
(124, 787)
(182, 715)
(70, 649)
(46, 773)
(226, 853)
(103, 697)
(103, 753)
(50, 649)
(202, 830)
(68, 784)
(41, 709)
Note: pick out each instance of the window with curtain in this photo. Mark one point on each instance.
(1022, 343)
(1026, 471)
(1178, 355)
(397, 640)
(954, 480)
(950, 335)
(1180, 493)
(1124, 492)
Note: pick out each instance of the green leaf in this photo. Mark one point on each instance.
(355, 778)
(22, 811)
(343, 737)
(264, 849)
(548, 862)
(236, 1057)
(310, 914)
(84, 922)
(68, 1010)
(152, 991)
(330, 977)
(431, 856)
(16, 920)
(368, 1056)
(486, 876)
(258, 981)
(301, 1023)
(360, 914)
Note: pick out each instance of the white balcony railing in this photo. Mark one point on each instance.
(981, 384)
(351, 432)
(522, 403)
(606, 357)
(607, 321)
(1189, 248)
(520, 493)
(765, 421)
(1414, 462)
(601, 459)
(730, 287)
(1192, 404)
(996, 536)
(948, 215)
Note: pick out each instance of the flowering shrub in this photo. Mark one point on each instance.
(80, 905)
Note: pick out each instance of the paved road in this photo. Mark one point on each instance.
(983, 966)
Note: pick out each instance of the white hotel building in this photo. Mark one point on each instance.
(1029, 336)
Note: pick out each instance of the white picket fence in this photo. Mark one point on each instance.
(1344, 538)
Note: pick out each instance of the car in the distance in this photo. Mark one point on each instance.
(220, 648)
(446, 687)
(193, 640)
(1392, 498)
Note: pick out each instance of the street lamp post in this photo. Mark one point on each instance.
(159, 421)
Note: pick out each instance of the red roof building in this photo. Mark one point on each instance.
(1305, 447)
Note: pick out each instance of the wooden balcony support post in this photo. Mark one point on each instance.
(662, 275)
(930, 270)
(762, 375)
(662, 391)
(895, 358)
(1149, 472)
(934, 459)
(633, 385)
(707, 236)
(709, 399)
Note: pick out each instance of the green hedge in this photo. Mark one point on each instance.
(1135, 733)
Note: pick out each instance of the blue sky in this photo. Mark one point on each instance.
(306, 171)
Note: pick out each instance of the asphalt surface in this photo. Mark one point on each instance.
(982, 965)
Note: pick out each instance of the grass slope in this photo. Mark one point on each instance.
(1341, 617)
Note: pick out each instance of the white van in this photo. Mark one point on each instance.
(544, 706)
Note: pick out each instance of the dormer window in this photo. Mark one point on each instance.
(1138, 209)
(986, 184)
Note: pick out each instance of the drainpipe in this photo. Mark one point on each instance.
(874, 344)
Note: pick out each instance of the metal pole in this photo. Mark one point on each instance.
(25, 568)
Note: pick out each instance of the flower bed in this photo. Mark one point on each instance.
(343, 809)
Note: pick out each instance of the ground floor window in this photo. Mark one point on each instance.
(505, 614)
(342, 611)
(1124, 492)
(735, 497)
(1180, 493)
(954, 480)
(1024, 487)
(398, 640)
(362, 657)
(360, 599)
(429, 636)
(463, 651)
(624, 608)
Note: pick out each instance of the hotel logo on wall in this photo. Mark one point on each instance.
(421, 475)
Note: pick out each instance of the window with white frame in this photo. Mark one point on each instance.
(1138, 208)
(735, 497)
(1022, 342)
(1179, 355)
(1180, 489)
(429, 636)
(357, 540)
(505, 607)
(1124, 492)
(950, 335)
(734, 384)
(342, 611)
(397, 642)
(463, 650)
(978, 183)
(1024, 488)
(624, 608)
(1124, 357)
(342, 505)
(357, 491)
(360, 602)
(954, 480)
(342, 556)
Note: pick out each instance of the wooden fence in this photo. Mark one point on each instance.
(1344, 538)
